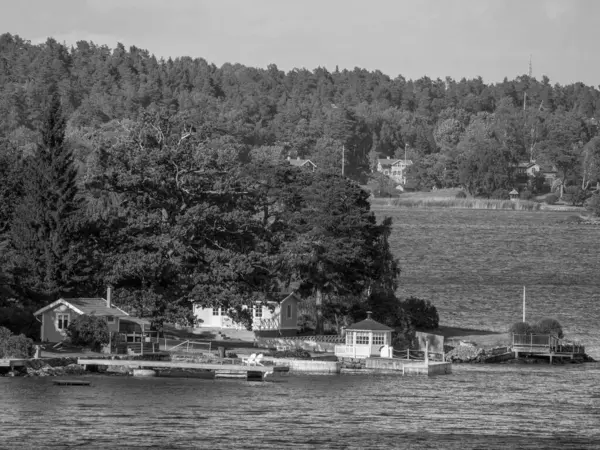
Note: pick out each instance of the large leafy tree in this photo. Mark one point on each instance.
(335, 242)
(47, 257)
(188, 226)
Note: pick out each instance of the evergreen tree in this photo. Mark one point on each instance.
(44, 226)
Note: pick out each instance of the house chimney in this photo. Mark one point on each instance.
(108, 295)
(369, 314)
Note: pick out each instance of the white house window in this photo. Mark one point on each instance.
(378, 339)
(258, 311)
(110, 319)
(63, 321)
(362, 338)
(216, 312)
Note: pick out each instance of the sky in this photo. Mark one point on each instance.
(416, 38)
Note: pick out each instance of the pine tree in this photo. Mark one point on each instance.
(44, 226)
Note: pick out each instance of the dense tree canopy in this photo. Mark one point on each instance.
(168, 178)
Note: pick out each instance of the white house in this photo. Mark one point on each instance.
(304, 163)
(365, 339)
(279, 316)
(394, 168)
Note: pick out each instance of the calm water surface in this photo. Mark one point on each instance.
(494, 406)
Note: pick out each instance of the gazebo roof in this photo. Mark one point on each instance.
(368, 325)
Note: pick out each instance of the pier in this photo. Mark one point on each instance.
(545, 345)
(220, 370)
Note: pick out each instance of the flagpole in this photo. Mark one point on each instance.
(523, 303)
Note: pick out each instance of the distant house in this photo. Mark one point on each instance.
(279, 316)
(548, 171)
(56, 317)
(304, 163)
(394, 168)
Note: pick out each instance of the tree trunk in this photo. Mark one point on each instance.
(319, 310)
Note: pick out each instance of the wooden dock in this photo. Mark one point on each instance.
(545, 345)
(220, 370)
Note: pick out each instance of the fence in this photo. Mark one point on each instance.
(333, 338)
(546, 342)
(189, 346)
(418, 355)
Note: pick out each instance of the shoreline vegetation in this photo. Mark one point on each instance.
(447, 198)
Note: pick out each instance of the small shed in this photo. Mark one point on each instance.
(365, 339)
(514, 194)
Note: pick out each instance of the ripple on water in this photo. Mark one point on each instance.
(475, 407)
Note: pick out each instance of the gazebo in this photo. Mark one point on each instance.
(366, 338)
(514, 195)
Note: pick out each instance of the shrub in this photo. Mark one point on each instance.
(296, 354)
(460, 194)
(551, 199)
(525, 195)
(520, 328)
(592, 204)
(575, 195)
(12, 346)
(89, 331)
(500, 194)
(421, 312)
(549, 326)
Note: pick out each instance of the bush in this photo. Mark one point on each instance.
(520, 328)
(575, 195)
(89, 331)
(551, 199)
(296, 354)
(592, 204)
(549, 326)
(421, 312)
(460, 194)
(12, 346)
(525, 195)
(500, 194)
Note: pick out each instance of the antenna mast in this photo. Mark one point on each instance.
(525, 93)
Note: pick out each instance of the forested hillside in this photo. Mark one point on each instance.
(309, 113)
(167, 178)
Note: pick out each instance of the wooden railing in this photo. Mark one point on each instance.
(546, 342)
(266, 324)
(190, 346)
(333, 338)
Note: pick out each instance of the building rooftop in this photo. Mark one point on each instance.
(89, 306)
(369, 325)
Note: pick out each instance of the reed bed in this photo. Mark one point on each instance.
(465, 203)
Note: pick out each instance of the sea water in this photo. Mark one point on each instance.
(477, 406)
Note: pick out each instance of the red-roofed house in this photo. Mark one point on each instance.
(55, 317)
(304, 163)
